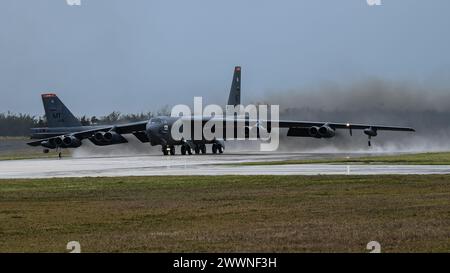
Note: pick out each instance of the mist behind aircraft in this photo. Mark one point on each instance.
(424, 107)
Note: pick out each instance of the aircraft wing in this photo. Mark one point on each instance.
(313, 129)
(120, 129)
(333, 125)
(308, 124)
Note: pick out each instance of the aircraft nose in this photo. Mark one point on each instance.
(154, 131)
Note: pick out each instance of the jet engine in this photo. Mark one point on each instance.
(112, 137)
(71, 142)
(314, 131)
(58, 141)
(48, 144)
(326, 131)
(107, 138)
(99, 136)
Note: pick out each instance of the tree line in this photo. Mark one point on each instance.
(13, 124)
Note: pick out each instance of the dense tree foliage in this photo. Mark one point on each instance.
(12, 124)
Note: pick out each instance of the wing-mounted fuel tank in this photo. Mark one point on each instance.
(110, 137)
(370, 132)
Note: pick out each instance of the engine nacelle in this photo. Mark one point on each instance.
(370, 132)
(314, 131)
(112, 137)
(48, 144)
(107, 138)
(326, 131)
(58, 141)
(99, 136)
(71, 142)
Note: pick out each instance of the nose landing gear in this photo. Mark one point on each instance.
(168, 149)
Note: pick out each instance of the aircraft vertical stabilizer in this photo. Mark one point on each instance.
(235, 91)
(57, 113)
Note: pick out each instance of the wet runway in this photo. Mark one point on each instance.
(198, 165)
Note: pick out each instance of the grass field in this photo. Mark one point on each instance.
(441, 158)
(227, 214)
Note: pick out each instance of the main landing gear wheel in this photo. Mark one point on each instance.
(197, 149)
(203, 148)
(164, 150)
(186, 149)
(216, 148)
(172, 150)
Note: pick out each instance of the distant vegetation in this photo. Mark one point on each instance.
(12, 124)
(18, 124)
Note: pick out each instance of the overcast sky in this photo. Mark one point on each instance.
(138, 55)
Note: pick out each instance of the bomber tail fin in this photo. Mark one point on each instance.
(235, 91)
(57, 113)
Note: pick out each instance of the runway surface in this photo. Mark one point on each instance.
(198, 165)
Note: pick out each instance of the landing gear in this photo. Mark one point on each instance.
(203, 148)
(186, 149)
(168, 149)
(217, 148)
(197, 149)
(164, 150)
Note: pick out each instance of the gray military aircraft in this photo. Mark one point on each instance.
(65, 131)
(61, 122)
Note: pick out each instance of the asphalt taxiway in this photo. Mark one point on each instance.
(199, 165)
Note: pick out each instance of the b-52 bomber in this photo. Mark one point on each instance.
(66, 131)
